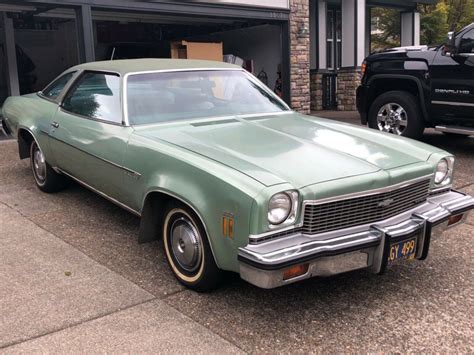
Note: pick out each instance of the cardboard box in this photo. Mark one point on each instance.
(197, 50)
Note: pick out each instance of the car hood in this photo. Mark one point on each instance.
(292, 148)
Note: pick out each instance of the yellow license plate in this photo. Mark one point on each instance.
(403, 250)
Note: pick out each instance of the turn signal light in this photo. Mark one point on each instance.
(455, 219)
(228, 226)
(295, 271)
(363, 68)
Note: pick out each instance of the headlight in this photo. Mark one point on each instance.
(279, 208)
(444, 171)
(282, 208)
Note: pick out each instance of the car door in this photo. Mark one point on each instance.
(453, 80)
(88, 136)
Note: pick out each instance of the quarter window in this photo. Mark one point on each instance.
(97, 96)
(54, 89)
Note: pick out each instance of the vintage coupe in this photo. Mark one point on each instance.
(229, 177)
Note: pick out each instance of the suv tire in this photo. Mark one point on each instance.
(397, 112)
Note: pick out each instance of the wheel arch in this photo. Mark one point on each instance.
(382, 83)
(25, 138)
(153, 213)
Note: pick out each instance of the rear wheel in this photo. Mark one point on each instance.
(46, 178)
(397, 112)
(187, 249)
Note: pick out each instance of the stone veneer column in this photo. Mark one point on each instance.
(299, 55)
(316, 91)
(348, 79)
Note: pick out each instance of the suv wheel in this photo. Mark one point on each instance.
(397, 112)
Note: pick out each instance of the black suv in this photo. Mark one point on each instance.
(406, 89)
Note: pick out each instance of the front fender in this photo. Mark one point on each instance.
(209, 188)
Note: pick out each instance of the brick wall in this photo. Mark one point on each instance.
(299, 56)
(347, 82)
(316, 87)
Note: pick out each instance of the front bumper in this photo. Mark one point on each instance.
(264, 265)
(361, 103)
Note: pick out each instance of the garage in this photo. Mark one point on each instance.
(40, 39)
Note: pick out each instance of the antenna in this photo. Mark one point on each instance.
(113, 53)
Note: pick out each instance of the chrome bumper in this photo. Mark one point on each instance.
(264, 264)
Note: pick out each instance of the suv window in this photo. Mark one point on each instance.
(54, 89)
(97, 96)
(467, 42)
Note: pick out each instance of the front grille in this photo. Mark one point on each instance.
(331, 216)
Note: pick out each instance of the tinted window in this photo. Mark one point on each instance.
(162, 97)
(53, 90)
(467, 43)
(96, 95)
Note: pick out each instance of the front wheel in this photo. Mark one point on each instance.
(397, 112)
(187, 249)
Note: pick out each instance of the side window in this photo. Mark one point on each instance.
(96, 95)
(53, 90)
(467, 42)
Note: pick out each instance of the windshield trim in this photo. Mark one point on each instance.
(251, 77)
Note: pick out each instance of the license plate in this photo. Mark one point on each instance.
(403, 250)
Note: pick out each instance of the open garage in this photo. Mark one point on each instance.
(40, 39)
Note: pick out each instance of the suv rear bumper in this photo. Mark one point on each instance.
(265, 264)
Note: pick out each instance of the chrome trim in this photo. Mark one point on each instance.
(453, 103)
(454, 129)
(263, 265)
(256, 237)
(251, 77)
(369, 192)
(100, 193)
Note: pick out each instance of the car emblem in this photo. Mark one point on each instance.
(386, 203)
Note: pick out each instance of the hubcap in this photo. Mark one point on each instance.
(39, 164)
(186, 244)
(392, 118)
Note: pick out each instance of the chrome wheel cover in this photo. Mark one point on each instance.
(186, 244)
(39, 165)
(392, 118)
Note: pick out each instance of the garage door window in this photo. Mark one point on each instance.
(96, 96)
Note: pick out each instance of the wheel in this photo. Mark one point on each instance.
(46, 178)
(397, 112)
(187, 249)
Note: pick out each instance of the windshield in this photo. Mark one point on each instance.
(173, 96)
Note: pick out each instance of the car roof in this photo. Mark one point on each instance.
(125, 66)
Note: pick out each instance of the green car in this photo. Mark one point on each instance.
(230, 178)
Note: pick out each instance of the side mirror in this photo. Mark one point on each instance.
(450, 47)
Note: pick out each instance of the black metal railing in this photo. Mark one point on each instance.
(329, 91)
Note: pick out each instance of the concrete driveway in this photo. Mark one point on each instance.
(73, 278)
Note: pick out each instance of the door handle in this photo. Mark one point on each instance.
(55, 124)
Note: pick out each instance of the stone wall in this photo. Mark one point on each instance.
(299, 56)
(347, 82)
(316, 87)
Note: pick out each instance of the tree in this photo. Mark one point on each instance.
(434, 22)
(385, 28)
(460, 13)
